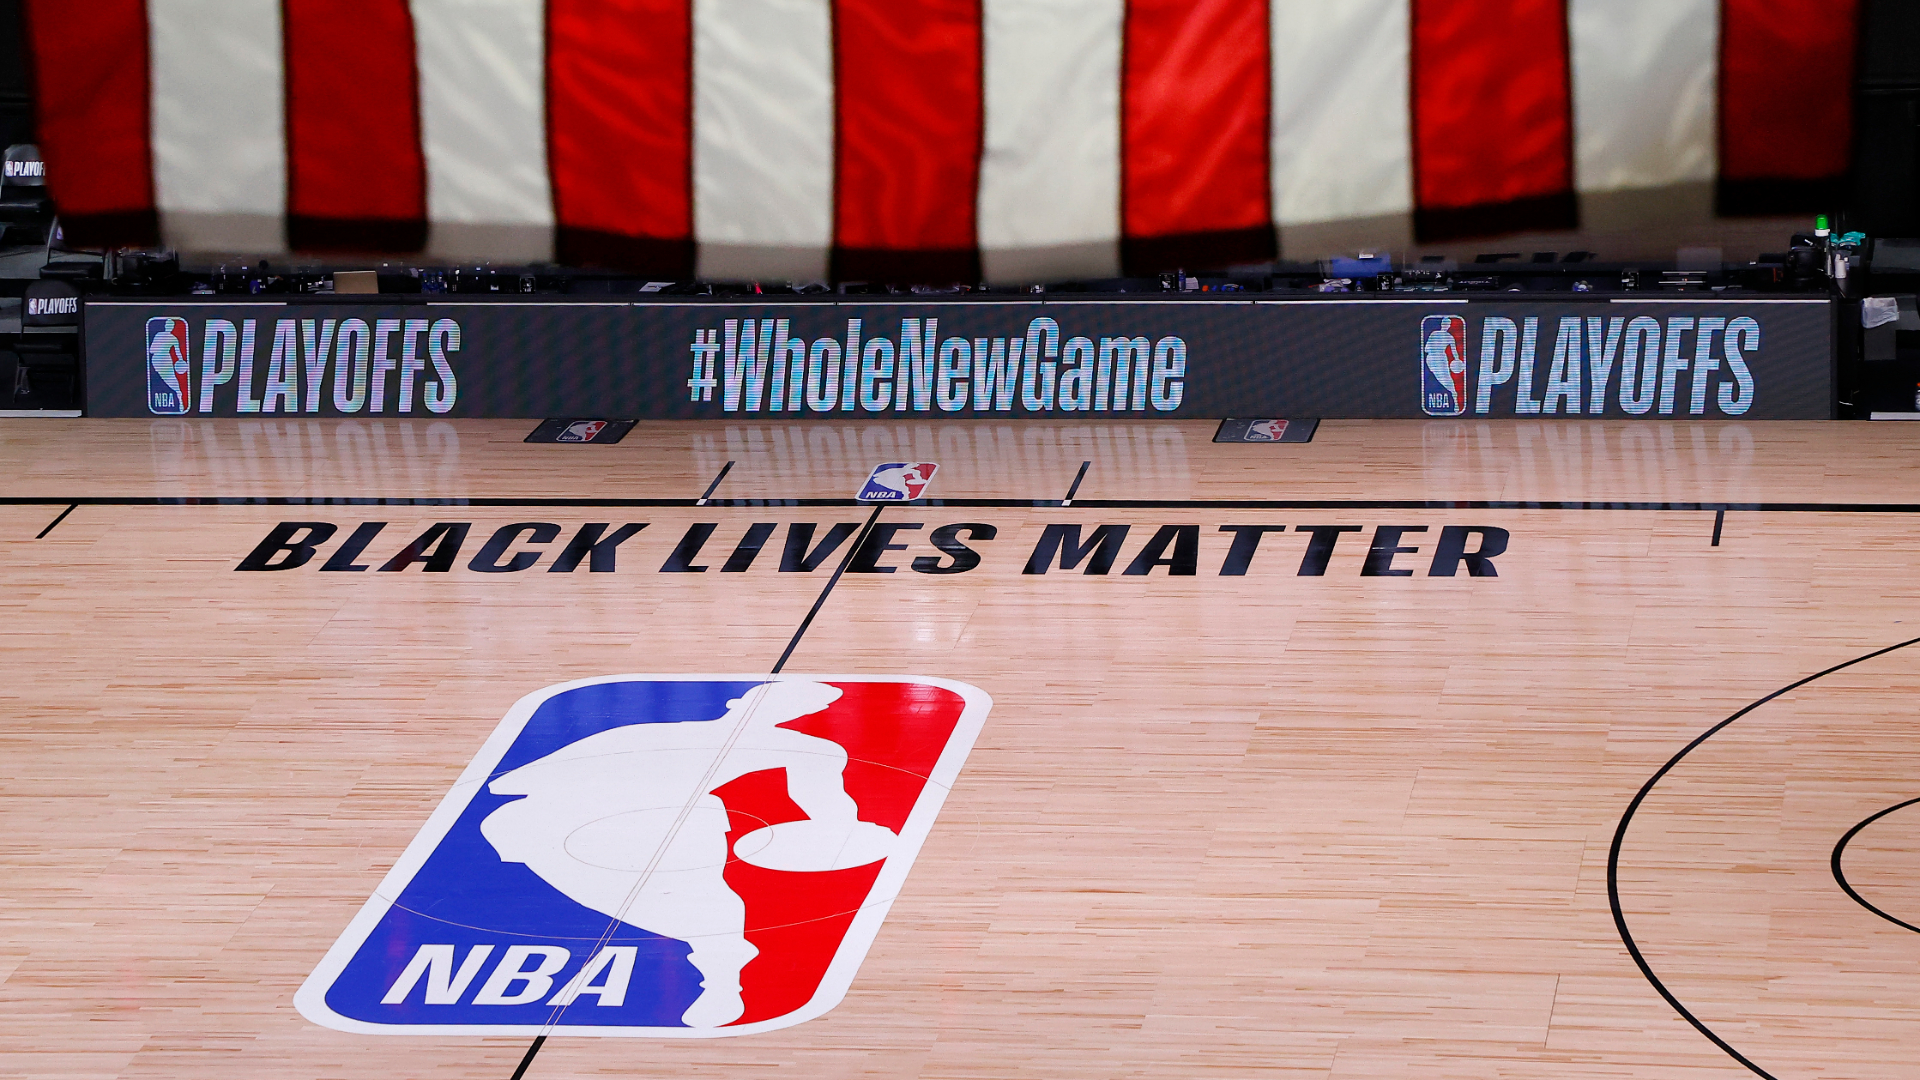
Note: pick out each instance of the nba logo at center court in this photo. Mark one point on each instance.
(897, 481)
(1443, 365)
(168, 381)
(656, 855)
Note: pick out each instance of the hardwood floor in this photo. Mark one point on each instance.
(1351, 824)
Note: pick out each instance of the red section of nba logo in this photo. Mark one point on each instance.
(797, 920)
(1443, 365)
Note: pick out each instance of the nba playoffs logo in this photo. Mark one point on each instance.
(168, 381)
(581, 431)
(1443, 365)
(656, 855)
(897, 481)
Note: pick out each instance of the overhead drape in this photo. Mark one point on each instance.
(913, 139)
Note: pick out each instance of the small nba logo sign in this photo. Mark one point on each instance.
(897, 481)
(1443, 365)
(581, 431)
(665, 856)
(168, 389)
(1266, 430)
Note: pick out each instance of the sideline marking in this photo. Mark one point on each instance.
(1077, 477)
(538, 1042)
(1719, 519)
(1626, 819)
(722, 475)
(56, 521)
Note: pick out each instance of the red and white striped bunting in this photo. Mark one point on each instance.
(924, 140)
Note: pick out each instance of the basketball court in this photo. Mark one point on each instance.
(1504, 750)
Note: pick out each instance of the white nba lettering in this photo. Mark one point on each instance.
(1703, 362)
(383, 362)
(1563, 377)
(917, 363)
(744, 364)
(956, 367)
(283, 370)
(876, 375)
(789, 369)
(410, 360)
(1169, 373)
(852, 362)
(1639, 382)
(1036, 382)
(1671, 363)
(1601, 353)
(1128, 359)
(1524, 403)
(1742, 333)
(1076, 376)
(539, 980)
(313, 359)
(444, 985)
(617, 962)
(247, 403)
(217, 363)
(441, 340)
(823, 375)
(996, 373)
(650, 849)
(1498, 337)
(350, 366)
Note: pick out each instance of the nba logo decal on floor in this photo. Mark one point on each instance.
(656, 855)
(897, 481)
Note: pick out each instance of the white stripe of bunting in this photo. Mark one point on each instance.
(218, 127)
(763, 138)
(1341, 140)
(1049, 203)
(1643, 91)
(482, 70)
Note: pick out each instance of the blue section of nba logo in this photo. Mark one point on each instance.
(1443, 365)
(467, 897)
(169, 375)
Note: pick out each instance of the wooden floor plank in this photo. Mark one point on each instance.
(1328, 826)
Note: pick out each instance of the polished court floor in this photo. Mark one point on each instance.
(1328, 805)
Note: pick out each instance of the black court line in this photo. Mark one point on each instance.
(1012, 504)
(532, 1051)
(1077, 477)
(859, 539)
(1719, 519)
(722, 475)
(820, 601)
(1840, 875)
(1620, 836)
(63, 516)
